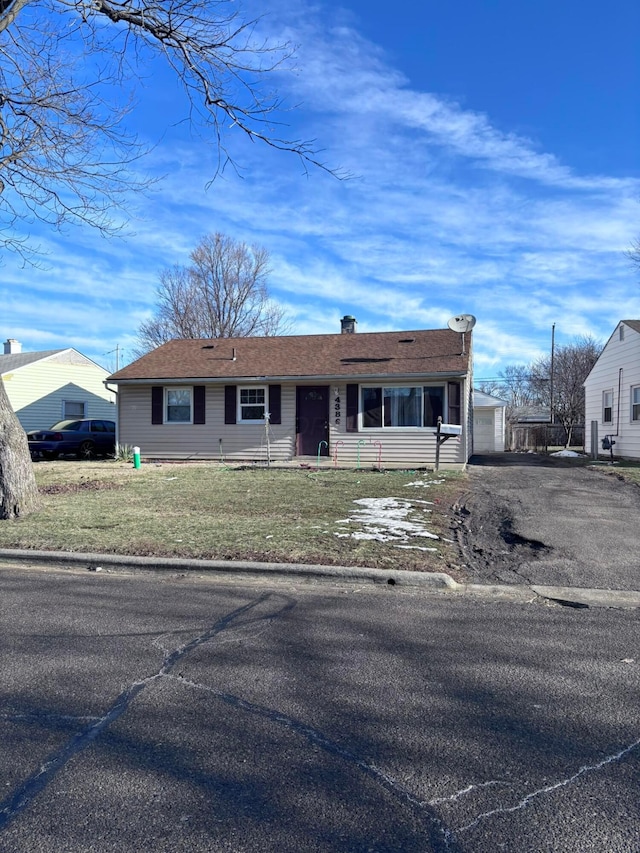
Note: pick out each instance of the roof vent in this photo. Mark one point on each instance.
(407, 341)
(348, 324)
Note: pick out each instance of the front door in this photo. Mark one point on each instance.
(312, 420)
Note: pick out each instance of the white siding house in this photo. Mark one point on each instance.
(489, 423)
(612, 393)
(45, 387)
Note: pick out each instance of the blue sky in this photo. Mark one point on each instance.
(493, 148)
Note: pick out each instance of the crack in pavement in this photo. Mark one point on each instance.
(524, 802)
(440, 835)
(13, 804)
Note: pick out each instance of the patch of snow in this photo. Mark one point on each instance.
(571, 453)
(423, 484)
(385, 520)
(416, 548)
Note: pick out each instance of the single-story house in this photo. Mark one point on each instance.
(46, 387)
(489, 423)
(361, 399)
(612, 395)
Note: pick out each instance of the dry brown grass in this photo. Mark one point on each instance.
(214, 511)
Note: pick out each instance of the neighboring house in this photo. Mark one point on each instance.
(489, 423)
(362, 399)
(612, 394)
(45, 387)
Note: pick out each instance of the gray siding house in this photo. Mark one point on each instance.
(370, 399)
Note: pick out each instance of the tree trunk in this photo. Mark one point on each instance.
(18, 490)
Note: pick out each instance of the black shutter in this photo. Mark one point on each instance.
(229, 404)
(199, 415)
(275, 408)
(157, 404)
(352, 408)
(454, 400)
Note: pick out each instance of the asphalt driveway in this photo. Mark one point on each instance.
(548, 521)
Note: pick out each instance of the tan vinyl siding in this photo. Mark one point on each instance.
(211, 440)
(412, 446)
(241, 442)
(37, 391)
(617, 370)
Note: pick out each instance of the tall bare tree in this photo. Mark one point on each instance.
(223, 293)
(65, 153)
(571, 366)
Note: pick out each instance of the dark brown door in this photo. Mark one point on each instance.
(312, 420)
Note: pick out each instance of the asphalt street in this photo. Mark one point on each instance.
(156, 712)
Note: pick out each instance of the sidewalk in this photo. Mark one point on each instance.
(433, 581)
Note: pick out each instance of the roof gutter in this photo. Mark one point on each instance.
(234, 380)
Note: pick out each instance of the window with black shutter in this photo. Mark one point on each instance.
(157, 404)
(199, 405)
(275, 404)
(352, 408)
(229, 404)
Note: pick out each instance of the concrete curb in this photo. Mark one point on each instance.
(561, 595)
(437, 580)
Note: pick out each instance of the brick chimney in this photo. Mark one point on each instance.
(11, 346)
(348, 324)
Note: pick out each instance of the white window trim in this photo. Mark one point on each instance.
(382, 427)
(634, 388)
(165, 408)
(239, 418)
(82, 403)
(607, 391)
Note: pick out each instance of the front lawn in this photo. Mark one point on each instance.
(394, 519)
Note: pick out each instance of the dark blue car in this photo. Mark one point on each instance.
(84, 438)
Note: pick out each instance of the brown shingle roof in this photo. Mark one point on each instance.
(423, 352)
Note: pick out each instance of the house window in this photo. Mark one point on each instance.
(433, 405)
(401, 406)
(252, 405)
(178, 405)
(621, 332)
(73, 409)
(635, 403)
(607, 407)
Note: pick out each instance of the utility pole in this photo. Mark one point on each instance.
(117, 352)
(553, 338)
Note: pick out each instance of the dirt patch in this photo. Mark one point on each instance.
(84, 486)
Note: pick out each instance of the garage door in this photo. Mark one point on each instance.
(484, 432)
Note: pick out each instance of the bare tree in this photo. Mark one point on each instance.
(65, 153)
(633, 253)
(222, 294)
(571, 366)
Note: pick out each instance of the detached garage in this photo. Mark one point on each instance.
(488, 423)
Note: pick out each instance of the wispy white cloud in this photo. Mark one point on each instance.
(445, 213)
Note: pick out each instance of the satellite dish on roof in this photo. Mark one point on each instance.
(462, 323)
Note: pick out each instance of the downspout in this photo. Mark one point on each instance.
(619, 391)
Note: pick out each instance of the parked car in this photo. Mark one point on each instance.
(85, 438)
